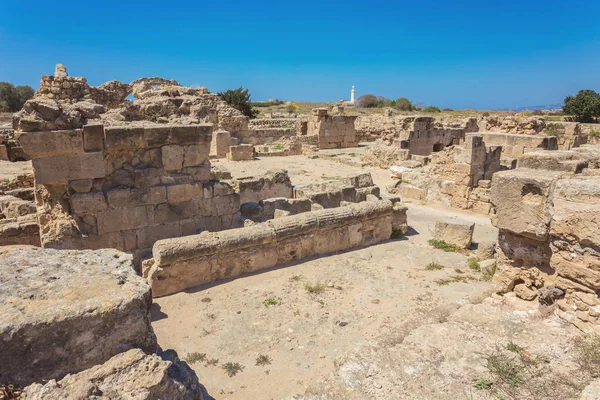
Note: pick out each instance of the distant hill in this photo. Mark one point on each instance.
(549, 107)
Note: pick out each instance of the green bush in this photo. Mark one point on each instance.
(433, 266)
(13, 97)
(239, 99)
(404, 104)
(447, 109)
(431, 109)
(584, 106)
(441, 245)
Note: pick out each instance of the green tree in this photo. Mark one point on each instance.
(431, 109)
(239, 99)
(403, 104)
(368, 101)
(584, 106)
(12, 98)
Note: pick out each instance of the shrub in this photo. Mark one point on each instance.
(537, 112)
(587, 354)
(433, 266)
(447, 109)
(367, 101)
(271, 301)
(263, 360)
(315, 289)
(232, 369)
(431, 109)
(441, 245)
(486, 114)
(239, 99)
(404, 104)
(584, 106)
(195, 357)
(473, 263)
(12, 98)
(290, 109)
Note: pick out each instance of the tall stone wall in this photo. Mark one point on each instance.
(333, 131)
(125, 187)
(514, 146)
(186, 262)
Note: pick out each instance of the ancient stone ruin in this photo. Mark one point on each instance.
(131, 194)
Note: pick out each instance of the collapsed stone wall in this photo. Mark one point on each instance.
(334, 132)
(273, 183)
(514, 146)
(18, 219)
(458, 176)
(549, 234)
(125, 187)
(182, 263)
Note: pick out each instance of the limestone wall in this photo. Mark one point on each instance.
(549, 234)
(186, 262)
(333, 131)
(274, 183)
(514, 146)
(126, 187)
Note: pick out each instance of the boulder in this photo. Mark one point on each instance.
(486, 250)
(128, 375)
(456, 232)
(65, 311)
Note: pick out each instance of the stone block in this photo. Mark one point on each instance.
(486, 250)
(172, 157)
(241, 152)
(93, 306)
(87, 203)
(47, 143)
(522, 198)
(18, 208)
(134, 197)
(147, 236)
(456, 232)
(411, 192)
(131, 374)
(93, 137)
(122, 219)
(146, 177)
(363, 192)
(360, 180)
(191, 134)
(123, 137)
(184, 192)
(221, 140)
(68, 167)
(3, 153)
(81, 185)
(195, 155)
(156, 136)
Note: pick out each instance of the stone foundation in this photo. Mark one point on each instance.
(183, 263)
(333, 131)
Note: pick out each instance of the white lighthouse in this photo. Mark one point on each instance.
(352, 95)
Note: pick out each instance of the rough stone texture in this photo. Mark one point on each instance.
(190, 261)
(219, 146)
(146, 183)
(456, 232)
(129, 375)
(333, 131)
(241, 152)
(64, 311)
(514, 146)
(274, 183)
(486, 250)
(268, 209)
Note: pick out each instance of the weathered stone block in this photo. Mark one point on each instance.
(184, 192)
(456, 232)
(81, 185)
(132, 374)
(147, 236)
(172, 157)
(67, 167)
(241, 152)
(41, 144)
(360, 180)
(156, 136)
(522, 198)
(221, 140)
(191, 134)
(122, 219)
(86, 203)
(93, 306)
(195, 155)
(123, 137)
(134, 197)
(93, 137)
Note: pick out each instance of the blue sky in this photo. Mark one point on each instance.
(463, 53)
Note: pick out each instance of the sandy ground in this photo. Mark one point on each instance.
(382, 327)
(9, 170)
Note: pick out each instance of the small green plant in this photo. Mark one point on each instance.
(296, 278)
(314, 289)
(513, 347)
(553, 130)
(453, 279)
(459, 271)
(278, 147)
(433, 266)
(482, 384)
(441, 245)
(594, 134)
(271, 301)
(232, 369)
(397, 234)
(206, 300)
(263, 360)
(473, 263)
(352, 154)
(195, 357)
(212, 362)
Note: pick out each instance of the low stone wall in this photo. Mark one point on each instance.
(125, 187)
(268, 209)
(241, 152)
(183, 263)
